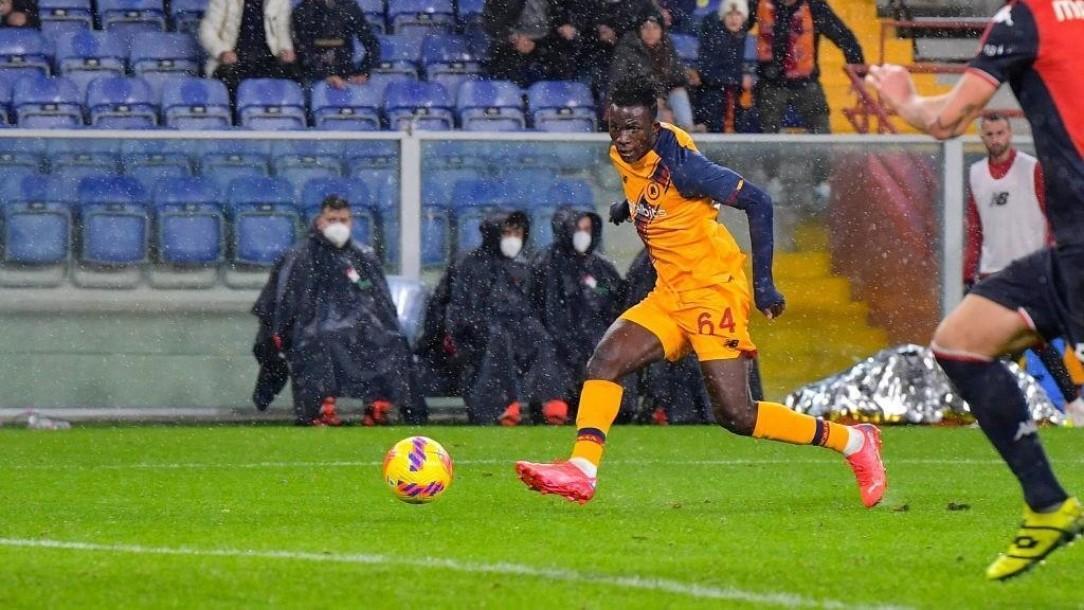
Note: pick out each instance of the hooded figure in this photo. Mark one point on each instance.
(577, 294)
(327, 310)
(508, 358)
(673, 392)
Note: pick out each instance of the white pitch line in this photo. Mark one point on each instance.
(481, 462)
(661, 585)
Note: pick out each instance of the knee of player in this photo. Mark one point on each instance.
(604, 365)
(738, 417)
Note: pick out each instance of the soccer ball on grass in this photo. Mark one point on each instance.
(418, 470)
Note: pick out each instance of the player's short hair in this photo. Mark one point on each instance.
(334, 202)
(991, 117)
(637, 91)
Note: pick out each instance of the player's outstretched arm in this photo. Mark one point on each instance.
(695, 175)
(943, 116)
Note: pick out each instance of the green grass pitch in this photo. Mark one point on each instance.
(252, 517)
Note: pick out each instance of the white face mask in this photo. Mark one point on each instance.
(581, 241)
(511, 245)
(337, 233)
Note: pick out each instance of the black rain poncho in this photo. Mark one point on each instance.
(339, 331)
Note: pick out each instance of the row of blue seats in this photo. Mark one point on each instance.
(119, 102)
(114, 221)
(400, 16)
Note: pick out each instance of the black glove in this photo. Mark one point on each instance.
(619, 212)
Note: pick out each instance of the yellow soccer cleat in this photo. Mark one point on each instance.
(1039, 535)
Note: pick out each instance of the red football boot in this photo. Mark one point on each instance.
(328, 416)
(376, 414)
(555, 412)
(511, 416)
(560, 478)
(868, 467)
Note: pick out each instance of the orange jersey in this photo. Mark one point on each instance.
(673, 205)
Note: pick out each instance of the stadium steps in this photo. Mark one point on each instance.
(824, 330)
(861, 17)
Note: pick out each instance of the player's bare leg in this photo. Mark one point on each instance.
(626, 347)
(967, 345)
(734, 408)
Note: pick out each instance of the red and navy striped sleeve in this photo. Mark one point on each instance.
(1009, 46)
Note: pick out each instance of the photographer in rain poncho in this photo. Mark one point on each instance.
(328, 323)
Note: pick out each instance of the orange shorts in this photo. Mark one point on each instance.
(712, 321)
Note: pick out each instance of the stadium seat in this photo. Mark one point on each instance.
(168, 53)
(449, 61)
(128, 17)
(23, 52)
(491, 106)
(574, 193)
(5, 102)
(190, 227)
(561, 106)
(114, 221)
(418, 17)
(18, 158)
(473, 199)
(265, 221)
(379, 82)
(469, 14)
(187, 14)
(46, 102)
(119, 102)
(37, 227)
(366, 223)
(150, 161)
(374, 14)
(77, 159)
(687, 47)
(418, 105)
(233, 162)
(399, 54)
(65, 16)
(195, 103)
(270, 103)
(300, 162)
(455, 154)
(355, 108)
(84, 55)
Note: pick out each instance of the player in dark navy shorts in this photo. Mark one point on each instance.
(1037, 46)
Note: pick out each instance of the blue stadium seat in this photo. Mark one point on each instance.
(374, 14)
(233, 162)
(265, 221)
(418, 105)
(355, 108)
(300, 162)
(473, 199)
(190, 227)
(85, 55)
(128, 17)
(23, 52)
(574, 193)
(65, 16)
(365, 228)
(150, 161)
(565, 106)
(169, 53)
(449, 61)
(687, 47)
(77, 159)
(469, 14)
(399, 54)
(37, 224)
(270, 103)
(186, 14)
(119, 102)
(456, 154)
(491, 106)
(438, 185)
(418, 17)
(5, 102)
(17, 158)
(44, 102)
(114, 221)
(196, 103)
(379, 82)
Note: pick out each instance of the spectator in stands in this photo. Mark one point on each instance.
(726, 64)
(247, 39)
(328, 320)
(509, 359)
(577, 294)
(19, 14)
(788, 37)
(607, 22)
(649, 53)
(677, 15)
(325, 32)
(531, 40)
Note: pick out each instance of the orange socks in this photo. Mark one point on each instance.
(778, 423)
(600, 402)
